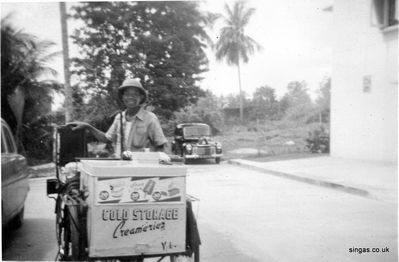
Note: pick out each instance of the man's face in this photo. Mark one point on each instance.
(131, 97)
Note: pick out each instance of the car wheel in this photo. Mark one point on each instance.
(217, 160)
(185, 160)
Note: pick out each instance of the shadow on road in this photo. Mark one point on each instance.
(217, 246)
(34, 241)
(201, 162)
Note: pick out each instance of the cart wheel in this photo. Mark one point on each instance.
(62, 231)
(63, 234)
(59, 220)
(185, 160)
(75, 252)
(76, 235)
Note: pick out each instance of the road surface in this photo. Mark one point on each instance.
(249, 216)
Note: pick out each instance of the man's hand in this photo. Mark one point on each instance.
(77, 125)
(164, 157)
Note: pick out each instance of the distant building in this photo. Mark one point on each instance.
(364, 96)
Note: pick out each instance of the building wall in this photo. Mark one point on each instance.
(363, 124)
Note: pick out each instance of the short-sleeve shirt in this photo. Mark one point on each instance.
(143, 131)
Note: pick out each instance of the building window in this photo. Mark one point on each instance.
(367, 83)
(385, 13)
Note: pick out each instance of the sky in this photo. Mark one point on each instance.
(295, 36)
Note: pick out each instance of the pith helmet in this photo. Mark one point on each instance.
(132, 82)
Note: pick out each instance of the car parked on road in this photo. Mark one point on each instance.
(194, 141)
(14, 179)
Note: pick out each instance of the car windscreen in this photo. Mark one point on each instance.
(196, 131)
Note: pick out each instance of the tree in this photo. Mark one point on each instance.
(323, 100)
(265, 103)
(296, 103)
(234, 45)
(65, 52)
(161, 43)
(24, 60)
(206, 110)
(237, 100)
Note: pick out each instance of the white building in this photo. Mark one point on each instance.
(364, 96)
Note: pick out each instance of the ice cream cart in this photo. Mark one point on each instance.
(123, 210)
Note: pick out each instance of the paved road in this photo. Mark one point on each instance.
(275, 219)
(245, 215)
(35, 240)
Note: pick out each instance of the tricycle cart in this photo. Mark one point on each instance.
(120, 210)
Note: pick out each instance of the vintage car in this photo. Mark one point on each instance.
(14, 179)
(194, 141)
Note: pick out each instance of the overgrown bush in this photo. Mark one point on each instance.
(318, 141)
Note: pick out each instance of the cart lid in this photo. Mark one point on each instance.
(120, 168)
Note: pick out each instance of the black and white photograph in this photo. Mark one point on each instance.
(203, 131)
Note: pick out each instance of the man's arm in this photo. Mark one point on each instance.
(162, 148)
(99, 135)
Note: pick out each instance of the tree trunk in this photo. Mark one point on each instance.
(240, 95)
(17, 104)
(67, 76)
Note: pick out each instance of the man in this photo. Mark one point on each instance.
(140, 128)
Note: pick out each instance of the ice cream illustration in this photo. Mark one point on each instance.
(116, 190)
(173, 191)
(135, 196)
(156, 196)
(149, 187)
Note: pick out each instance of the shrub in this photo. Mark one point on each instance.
(318, 141)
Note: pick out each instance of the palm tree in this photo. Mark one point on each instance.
(233, 45)
(67, 75)
(24, 60)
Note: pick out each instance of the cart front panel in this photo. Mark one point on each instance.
(134, 209)
(128, 230)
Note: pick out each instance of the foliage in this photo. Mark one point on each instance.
(234, 100)
(39, 142)
(318, 140)
(234, 45)
(24, 60)
(162, 43)
(296, 103)
(266, 138)
(323, 100)
(206, 110)
(265, 104)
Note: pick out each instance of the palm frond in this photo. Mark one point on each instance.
(233, 45)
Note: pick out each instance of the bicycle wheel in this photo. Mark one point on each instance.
(62, 232)
(77, 234)
(59, 220)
